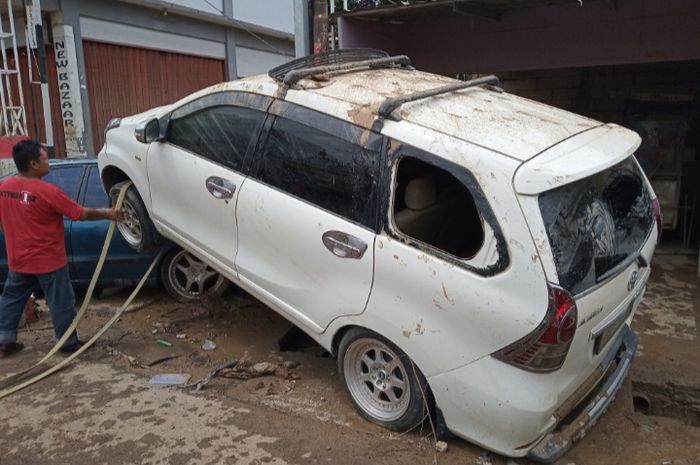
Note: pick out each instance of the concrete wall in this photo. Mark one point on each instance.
(566, 35)
(277, 15)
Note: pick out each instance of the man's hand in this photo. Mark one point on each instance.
(115, 215)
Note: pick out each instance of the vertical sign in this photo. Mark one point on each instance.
(69, 90)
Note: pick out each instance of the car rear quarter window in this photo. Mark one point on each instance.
(434, 207)
(321, 168)
(220, 133)
(67, 178)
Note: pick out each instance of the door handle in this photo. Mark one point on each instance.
(220, 188)
(344, 245)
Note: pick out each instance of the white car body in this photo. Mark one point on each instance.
(449, 319)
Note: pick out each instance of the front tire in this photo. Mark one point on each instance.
(187, 279)
(384, 384)
(137, 229)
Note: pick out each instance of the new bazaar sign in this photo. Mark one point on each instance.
(69, 90)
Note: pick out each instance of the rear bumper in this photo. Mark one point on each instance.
(555, 444)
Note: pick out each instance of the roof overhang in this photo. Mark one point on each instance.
(421, 10)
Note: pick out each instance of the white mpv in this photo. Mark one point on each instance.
(466, 253)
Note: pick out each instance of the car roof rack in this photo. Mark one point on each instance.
(335, 60)
(387, 108)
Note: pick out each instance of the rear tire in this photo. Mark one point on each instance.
(137, 229)
(187, 279)
(384, 384)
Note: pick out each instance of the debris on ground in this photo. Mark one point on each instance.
(181, 336)
(247, 370)
(161, 360)
(441, 446)
(485, 458)
(133, 361)
(208, 345)
(170, 379)
(212, 374)
(164, 343)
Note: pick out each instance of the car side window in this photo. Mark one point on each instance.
(434, 207)
(321, 168)
(439, 207)
(68, 179)
(95, 196)
(220, 133)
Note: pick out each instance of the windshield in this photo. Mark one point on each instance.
(596, 223)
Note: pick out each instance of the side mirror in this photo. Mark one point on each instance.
(150, 131)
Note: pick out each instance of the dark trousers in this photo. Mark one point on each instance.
(59, 295)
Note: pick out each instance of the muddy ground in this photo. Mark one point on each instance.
(102, 409)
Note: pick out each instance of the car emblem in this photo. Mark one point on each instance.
(633, 280)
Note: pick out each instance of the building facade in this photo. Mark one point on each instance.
(113, 58)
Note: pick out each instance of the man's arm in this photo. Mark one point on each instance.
(92, 214)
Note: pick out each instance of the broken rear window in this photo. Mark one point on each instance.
(596, 224)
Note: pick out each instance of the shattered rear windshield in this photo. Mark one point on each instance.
(595, 224)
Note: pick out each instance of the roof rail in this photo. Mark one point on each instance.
(391, 104)
(327, 58)
(335, 60)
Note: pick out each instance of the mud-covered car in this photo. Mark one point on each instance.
(467, 254)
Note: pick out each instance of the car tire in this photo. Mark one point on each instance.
(384, 384)
(188, 279)
(137, 229)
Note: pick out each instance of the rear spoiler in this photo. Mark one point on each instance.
(576, 158)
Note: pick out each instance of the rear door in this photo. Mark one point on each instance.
(307, 217)
(590, 212)
(195, 175)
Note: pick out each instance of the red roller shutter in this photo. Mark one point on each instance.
(125, 80)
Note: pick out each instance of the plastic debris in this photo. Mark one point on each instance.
(170, 379)
(181, 336)
(441, 446)
(164, 343)
(208, 345)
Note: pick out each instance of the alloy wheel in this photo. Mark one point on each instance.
(377, 379)
(191, 277)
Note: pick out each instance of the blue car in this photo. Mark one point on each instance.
(80, 179)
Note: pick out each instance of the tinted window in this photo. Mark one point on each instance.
(67, 179)
(221, 133)
(95, 196)
(320, 168)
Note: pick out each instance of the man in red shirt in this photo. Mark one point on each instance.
(31, 216)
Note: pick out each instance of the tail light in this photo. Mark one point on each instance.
(545, 348)
(656, 208)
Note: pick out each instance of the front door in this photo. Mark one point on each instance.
(307, 221)
(196, 174)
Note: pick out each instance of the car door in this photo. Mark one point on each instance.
(307, 217)
(123, 265)
(196, 173)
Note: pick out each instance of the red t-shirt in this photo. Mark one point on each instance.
(31, 214)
